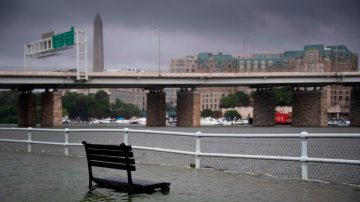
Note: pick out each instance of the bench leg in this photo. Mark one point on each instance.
(90, 185)
(165, 189)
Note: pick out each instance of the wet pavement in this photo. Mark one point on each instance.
(46, 177)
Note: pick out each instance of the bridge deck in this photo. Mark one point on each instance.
(42, 177)
(43, 80)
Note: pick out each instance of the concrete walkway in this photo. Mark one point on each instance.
(42, 177)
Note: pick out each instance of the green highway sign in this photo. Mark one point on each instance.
(64, 39)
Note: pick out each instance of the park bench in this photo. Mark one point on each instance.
(118, 157)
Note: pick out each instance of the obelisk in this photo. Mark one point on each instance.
(98, 57)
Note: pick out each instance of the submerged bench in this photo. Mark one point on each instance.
(118, 157)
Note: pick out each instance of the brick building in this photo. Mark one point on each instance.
(313, 58)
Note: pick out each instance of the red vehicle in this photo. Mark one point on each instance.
(282, 118)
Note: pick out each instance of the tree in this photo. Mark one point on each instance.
(8, 109)
(77, 105)
(206, 113)
(235, 100)
(231, 114)
(87, 106)
(283, 96)
(125, 110)
(99, 104)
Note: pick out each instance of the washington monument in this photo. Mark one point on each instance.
(98, 57)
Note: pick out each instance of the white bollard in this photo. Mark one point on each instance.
(198, 150)
(66, 141)
(304, 155)
(29, 139)
(126, 136)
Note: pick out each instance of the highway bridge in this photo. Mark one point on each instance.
(309, 106)
(151, 80)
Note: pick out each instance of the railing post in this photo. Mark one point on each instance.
(29, 139)
(66, 141)
(198, 150)
(126, 136)
(304, 155)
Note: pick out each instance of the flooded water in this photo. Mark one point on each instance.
(43, 177)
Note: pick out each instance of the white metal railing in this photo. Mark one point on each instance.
(303, 136)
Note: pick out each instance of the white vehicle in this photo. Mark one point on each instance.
(141, 121)
(94, 121)
(208, 121)
(107, 120)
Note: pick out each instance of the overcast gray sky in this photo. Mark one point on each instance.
(187, 27)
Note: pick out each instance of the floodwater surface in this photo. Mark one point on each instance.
(44, 177)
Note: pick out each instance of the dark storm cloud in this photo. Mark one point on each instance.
(187, 26)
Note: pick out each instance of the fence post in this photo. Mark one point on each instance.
(126, 136)
(198, 150)
(304, 155)
(29, 139)
(66, 141)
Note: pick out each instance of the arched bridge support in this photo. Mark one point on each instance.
(264, 107)
(51, 109)
(355, 107)
(309, 107)
(26, 112)
(188, 108)
(156, 108)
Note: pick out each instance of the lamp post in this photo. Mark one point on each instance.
(244, 51)
(157, 25)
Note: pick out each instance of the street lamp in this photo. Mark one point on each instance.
(244, 46)
(157, 25)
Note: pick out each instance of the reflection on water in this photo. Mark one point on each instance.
(106, 195)
(101, 195)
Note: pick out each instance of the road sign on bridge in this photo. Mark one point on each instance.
(64, 39)
(52, 44)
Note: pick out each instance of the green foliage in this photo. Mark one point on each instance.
(65, 112)
(99, 104)
(235, 100)
(125, 110)
(83, 107)
(206, 113)
(8, 109)
(283, 96)
(231, 114)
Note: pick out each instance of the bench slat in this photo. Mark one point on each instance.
(106, 152)
(112, 165)
(109, 147)
(117, 157)
(112, 159)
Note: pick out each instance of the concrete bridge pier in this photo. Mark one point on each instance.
(355, 107)
(264, 107)
(51, 109)
(26, 112)
(188, 108)
(309, 107)
(156, 108)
